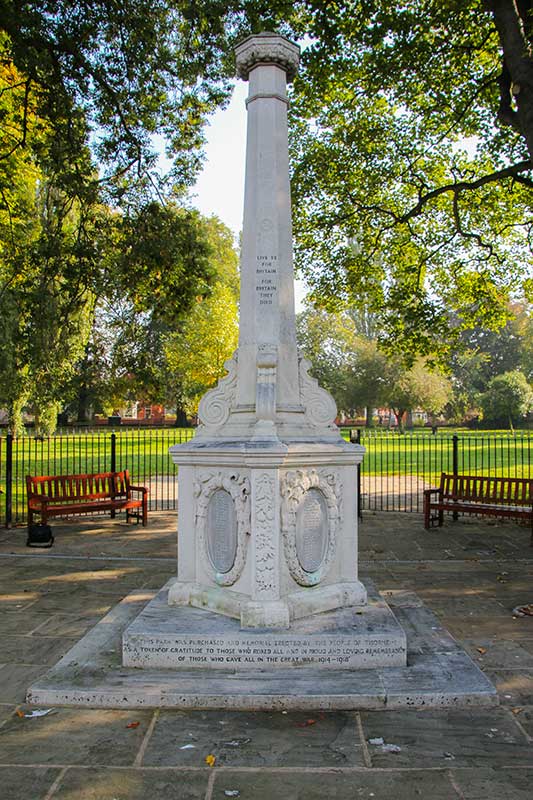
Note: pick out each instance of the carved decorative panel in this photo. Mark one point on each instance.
(312, 530)
(221, 531)
(299, 508)
(214, 491)
(266, 572)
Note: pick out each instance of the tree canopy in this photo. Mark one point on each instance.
(411, 145)
(411, 194)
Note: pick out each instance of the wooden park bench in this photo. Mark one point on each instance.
(476, 494)
(64, 495)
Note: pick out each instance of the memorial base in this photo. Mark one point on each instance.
(174, 637)
(439, 674)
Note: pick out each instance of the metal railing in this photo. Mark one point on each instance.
(143, 451)
(395, 470)
(398, 467)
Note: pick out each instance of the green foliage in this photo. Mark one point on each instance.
(163, 330)
(391, 210)
(418, 387)
(509, 397)
(359, 375)
(127, 70)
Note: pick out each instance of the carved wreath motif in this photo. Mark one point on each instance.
(216, 404)
(264, 512)
(294, 485)
(320, 407)
(238, 486)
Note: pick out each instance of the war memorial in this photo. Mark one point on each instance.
(268, 609)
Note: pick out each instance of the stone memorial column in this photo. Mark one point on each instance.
(267, 487)
(268, 358)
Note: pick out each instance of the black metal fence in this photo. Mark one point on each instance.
(143, 451)
(395, 470)
(398, 467)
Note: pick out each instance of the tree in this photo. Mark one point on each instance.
(369, 376)
(124, 70)
(391, 210)
(327, 340)
(168, 320)
(418, 387)
(345, 358)
(509, 397)
(196, 354)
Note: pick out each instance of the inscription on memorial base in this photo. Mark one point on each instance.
(349, 638)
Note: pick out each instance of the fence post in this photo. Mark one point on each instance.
(113, 452)
(455, 463)
(355, 438)
(113, 462)
(9, 480)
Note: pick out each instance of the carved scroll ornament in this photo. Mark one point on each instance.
(216, 404)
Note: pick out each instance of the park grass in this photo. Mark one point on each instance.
(144, 452)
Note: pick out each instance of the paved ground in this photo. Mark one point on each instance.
(472, 574)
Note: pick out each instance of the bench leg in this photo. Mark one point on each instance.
(426, 513)
(441, 518)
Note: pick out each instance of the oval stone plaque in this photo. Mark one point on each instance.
(221, 530)
(312, 530)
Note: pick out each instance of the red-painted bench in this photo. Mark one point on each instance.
(64, 495)
(479, 494)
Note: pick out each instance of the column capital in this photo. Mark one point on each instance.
(267, 48)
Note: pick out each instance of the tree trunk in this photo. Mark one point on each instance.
(512, 19)
(369, 416)
(15, 425)
(181, 416)
(82, 414)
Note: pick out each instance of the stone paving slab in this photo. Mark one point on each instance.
(514, 686)
(20, 783)
(92, 674)
(255, 739)
(133, 784)
(339, 785)
(494, 784)
(455, 738)
(73, 736)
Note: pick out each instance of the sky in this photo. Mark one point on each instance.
(219, 189)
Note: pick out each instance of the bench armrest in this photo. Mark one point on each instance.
(142, 489)
(429, 492)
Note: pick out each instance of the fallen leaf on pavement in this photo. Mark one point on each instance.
(210, 760)
(133, 724)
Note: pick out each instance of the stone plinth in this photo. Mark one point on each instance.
(267, 532)
(188, 638)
